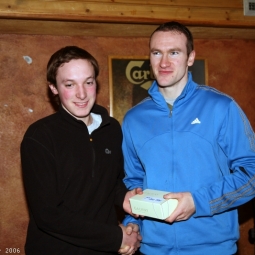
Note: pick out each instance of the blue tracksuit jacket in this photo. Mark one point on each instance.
(205, 146)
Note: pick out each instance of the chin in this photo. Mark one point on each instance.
(81, 115)
(164, 85)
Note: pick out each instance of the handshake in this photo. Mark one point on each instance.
(131, 239)
(131, 236)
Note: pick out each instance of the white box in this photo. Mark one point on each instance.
(152, 204)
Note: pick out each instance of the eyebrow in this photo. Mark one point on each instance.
(73, 80)
(68, 80)
(169, 50)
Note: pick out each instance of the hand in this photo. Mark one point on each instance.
(126, 203)
(131, 239)
(185, 207)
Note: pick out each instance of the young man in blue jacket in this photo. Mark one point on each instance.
(72, 167)
(195, 143)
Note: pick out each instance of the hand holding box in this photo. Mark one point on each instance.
(152, 204)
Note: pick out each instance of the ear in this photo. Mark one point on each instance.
(53, 89)
(191, 58)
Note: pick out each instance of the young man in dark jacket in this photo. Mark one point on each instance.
(73, 168)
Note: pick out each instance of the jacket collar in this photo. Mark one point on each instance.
(187, 92)
(97, 109)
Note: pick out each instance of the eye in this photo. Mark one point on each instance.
(69, 85)
(90, 82)
(156, 53)
(173, 53)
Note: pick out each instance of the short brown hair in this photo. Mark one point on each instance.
(65, 55)
(175, 26)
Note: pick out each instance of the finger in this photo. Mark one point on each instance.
(172, 217)
(172, 195)
(129, 251)
(129, 229)
(135, 227)
(124, 250)
(139, 191)
(137, 215)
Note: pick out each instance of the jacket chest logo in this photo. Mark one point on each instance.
(195, 121)
(107, 151)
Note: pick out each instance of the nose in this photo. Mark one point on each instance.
(81, 92)
(164, 62)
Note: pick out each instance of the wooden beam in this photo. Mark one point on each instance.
(70, 28)
(183, 3)
(196, 13)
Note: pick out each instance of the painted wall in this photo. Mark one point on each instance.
(24, 99)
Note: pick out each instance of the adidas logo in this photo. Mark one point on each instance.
(195, 121)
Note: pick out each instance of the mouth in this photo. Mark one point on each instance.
(165, 72)
(81, 105)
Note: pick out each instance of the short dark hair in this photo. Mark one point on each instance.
(176, 26)
(64, 55)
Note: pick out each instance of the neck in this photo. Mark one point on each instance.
(171, 92)
(90, 120)
(174, 90)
